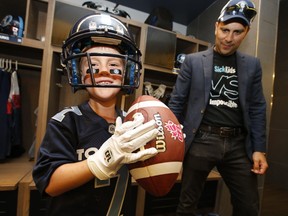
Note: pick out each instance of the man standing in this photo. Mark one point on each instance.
(218, 98)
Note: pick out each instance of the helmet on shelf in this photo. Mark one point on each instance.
(98, 30)
(12, 25)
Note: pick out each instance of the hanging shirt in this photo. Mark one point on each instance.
(5, 83)
(14, 113)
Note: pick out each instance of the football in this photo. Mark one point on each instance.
(158, 174)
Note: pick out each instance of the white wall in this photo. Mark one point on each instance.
(204, 25)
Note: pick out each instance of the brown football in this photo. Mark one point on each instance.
(158, 174)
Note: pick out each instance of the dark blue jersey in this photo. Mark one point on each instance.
(5, 83)
(72, 135)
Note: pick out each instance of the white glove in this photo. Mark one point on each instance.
(118, 149)
(148, 88)
(160, 91)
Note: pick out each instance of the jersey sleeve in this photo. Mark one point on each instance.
(57, 148)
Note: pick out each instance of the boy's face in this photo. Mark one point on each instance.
(228, 37)
(107, 71)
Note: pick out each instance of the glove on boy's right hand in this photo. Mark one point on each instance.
(118, 149)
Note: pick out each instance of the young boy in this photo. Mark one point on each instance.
(79, 167)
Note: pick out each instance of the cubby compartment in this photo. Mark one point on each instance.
(61, 94)
(157, 79)
(11, 13)
(189, 44)
(185, 46)
(135, 32)
(204, 46)
(54, 90)
(8, 203)
(14, 8)
(26, 56)
(36, 20)
(32, 14)
(65, 15)
(160, 47)
(27, 64)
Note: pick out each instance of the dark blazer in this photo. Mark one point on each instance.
(191, 94)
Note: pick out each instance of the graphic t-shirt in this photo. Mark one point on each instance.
(223, 107)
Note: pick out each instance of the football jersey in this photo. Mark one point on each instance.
(72, 135)
(5, 83)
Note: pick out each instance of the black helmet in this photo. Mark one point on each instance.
(101, 29)
(243, 10)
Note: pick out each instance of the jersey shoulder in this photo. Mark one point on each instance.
(60, 116)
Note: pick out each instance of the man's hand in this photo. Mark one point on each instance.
(119, 148)
(260, 164)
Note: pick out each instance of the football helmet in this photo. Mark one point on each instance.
(12, 25)
(180, 59)
(240, 9)
(100, 29)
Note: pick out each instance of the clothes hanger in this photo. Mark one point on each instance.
(10, 66)
(2, 63)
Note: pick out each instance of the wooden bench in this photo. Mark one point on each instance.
(12, 172)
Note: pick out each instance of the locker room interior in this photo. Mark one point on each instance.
(44, 90)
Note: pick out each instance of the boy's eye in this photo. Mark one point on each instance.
(112, 71)
(95, 71)
(115, 71)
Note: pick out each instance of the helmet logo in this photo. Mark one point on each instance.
(92, 25)
(103, 26)
(15, 30)
(118, 29)
(242, 5)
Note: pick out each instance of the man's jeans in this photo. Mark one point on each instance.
(229, 156)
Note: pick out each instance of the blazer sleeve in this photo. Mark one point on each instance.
(178, 100)
(257, 111)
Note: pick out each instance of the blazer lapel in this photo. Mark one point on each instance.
(207, 61)
(242, 70)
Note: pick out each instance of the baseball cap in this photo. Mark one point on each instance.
(243, 10)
